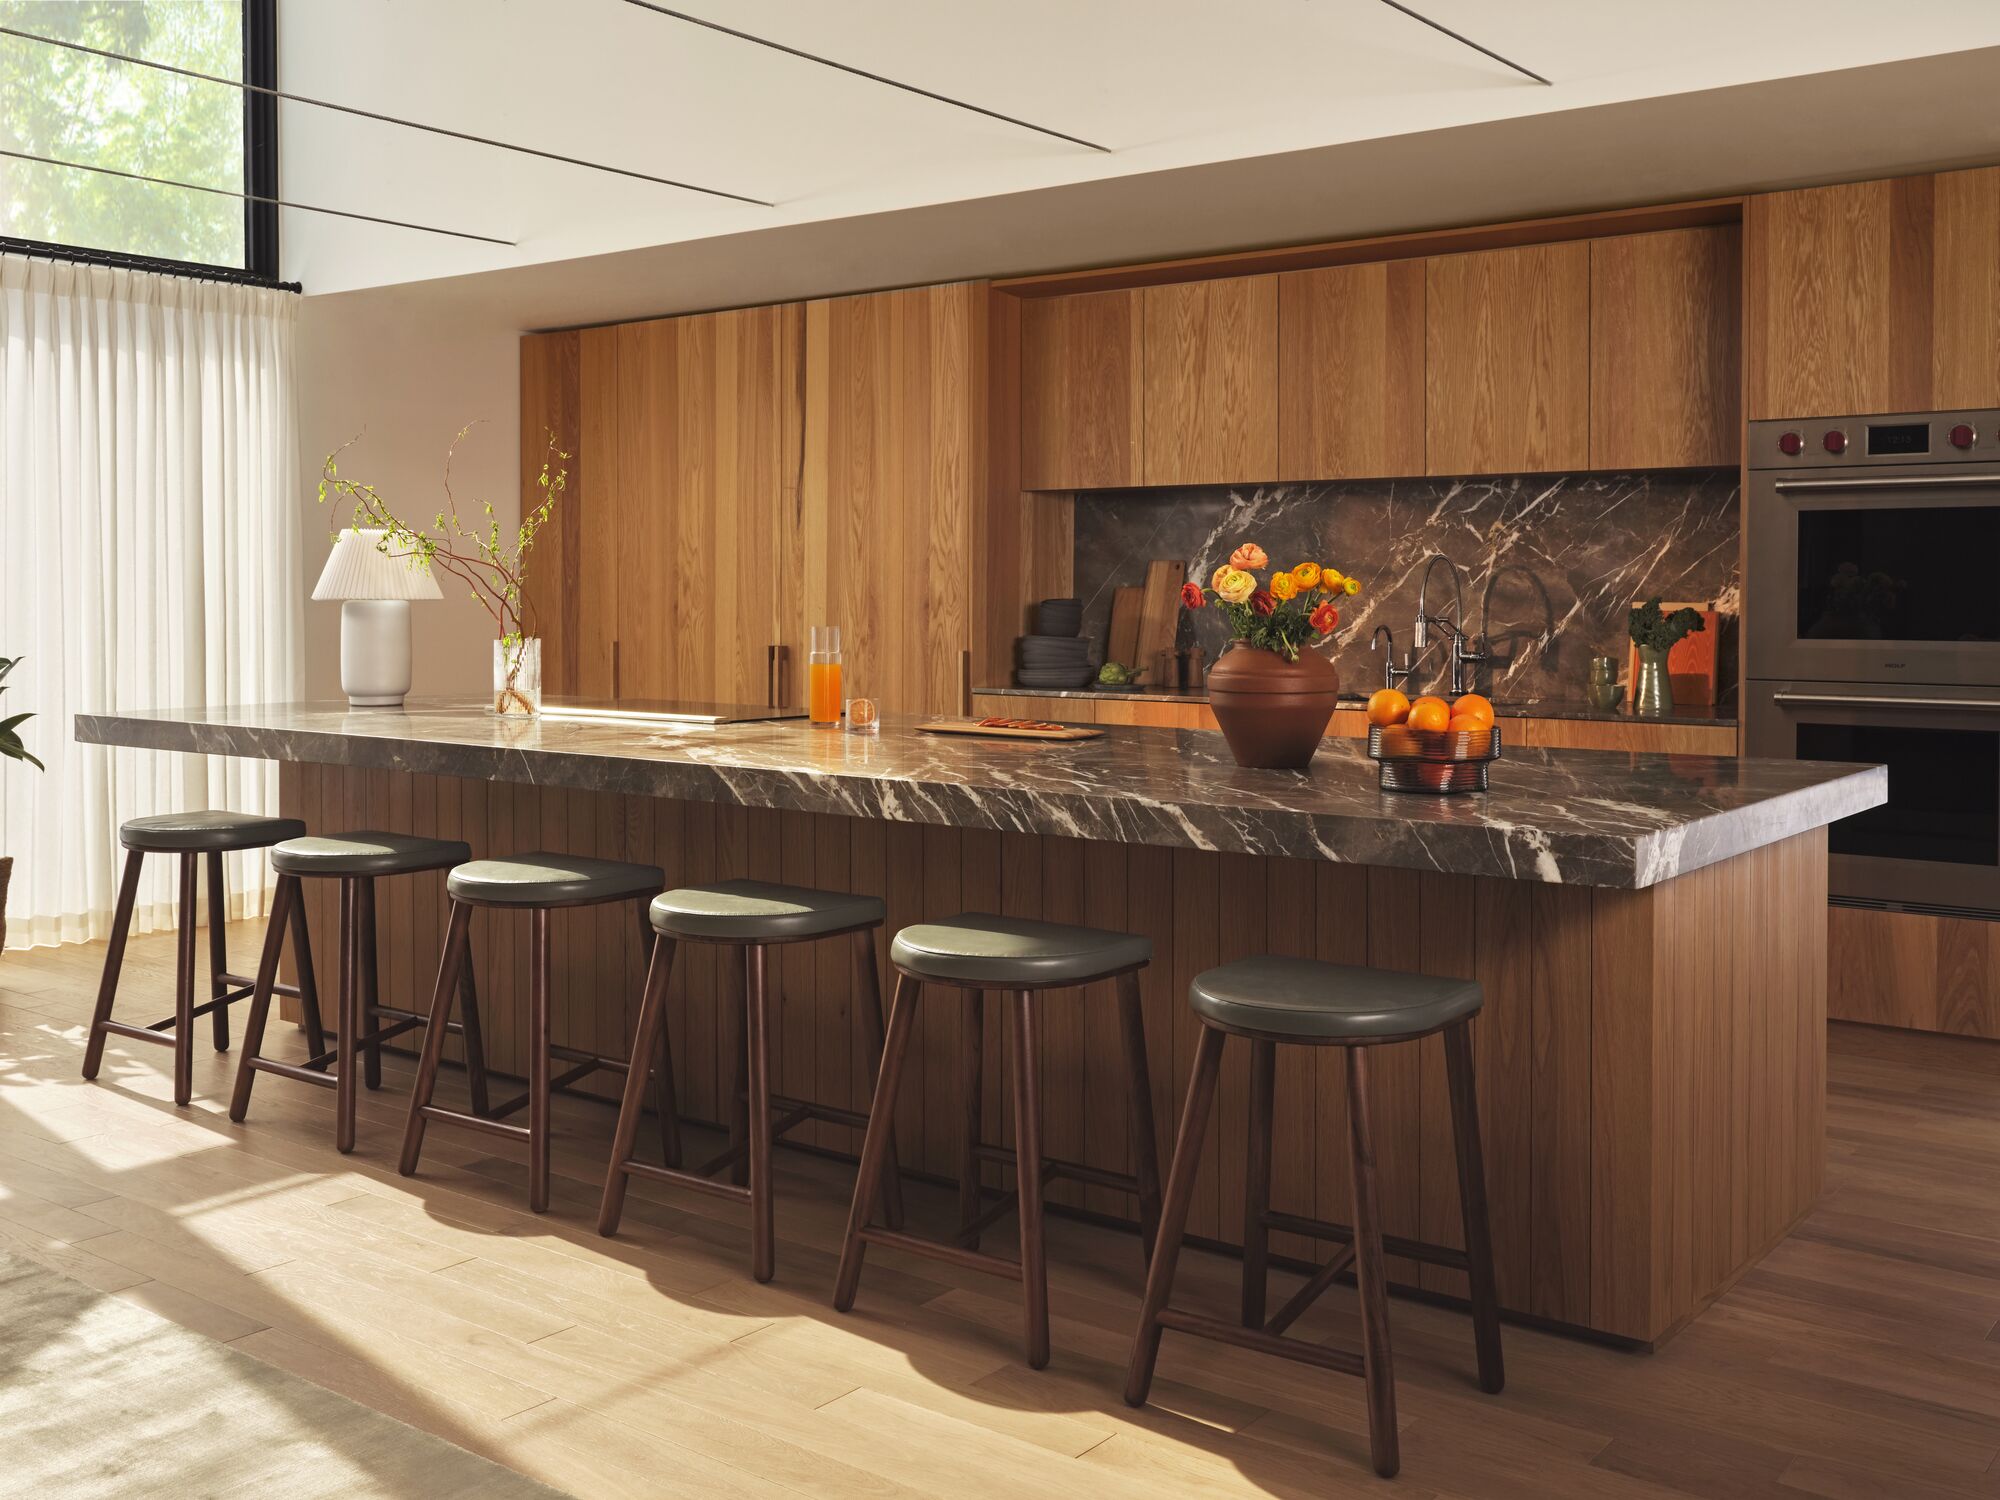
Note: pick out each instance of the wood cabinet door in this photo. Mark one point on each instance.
(1211, 398)
(1082, 389)
(1665, 375)
(1965, 345)
(569, 405)
(1508, 373)
(894, 461)
(1351, 371)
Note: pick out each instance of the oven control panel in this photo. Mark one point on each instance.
(1883, 438)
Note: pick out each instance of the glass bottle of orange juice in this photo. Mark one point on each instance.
(823, 676)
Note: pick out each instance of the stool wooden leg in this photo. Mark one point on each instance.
(1378, 1367)
(756, 1011)
(1173, 1214)
(1028, 1177)
(218, 951)
(1139, 1084)
(450, 964)
(1472, 1206)
(282, 901)
(347, 1014)
(475, 1041)
(868, 982)
(302, 955)
(538, 1060)
(184, 986)
(665, 1100)
(645, 1040)
(371, 986)
(875, 1143)
(114, 960)
(739, 1093)
(1257, 1183)
(972, 1105)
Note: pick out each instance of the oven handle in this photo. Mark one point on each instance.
(1856, 700)
(1874, 482)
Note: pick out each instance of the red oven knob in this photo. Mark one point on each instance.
(1835, 440)
(1791, 444)
(1962, 435)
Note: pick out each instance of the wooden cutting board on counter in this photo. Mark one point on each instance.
(1010, 729)
(1159, 611)
(1122, 643)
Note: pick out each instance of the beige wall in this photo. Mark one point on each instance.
(405, 377)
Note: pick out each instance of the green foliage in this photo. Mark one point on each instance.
(69, 106)
(10, 739)
(1660, 631)
(492, 567)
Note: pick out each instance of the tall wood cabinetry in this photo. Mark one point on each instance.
(737, 477)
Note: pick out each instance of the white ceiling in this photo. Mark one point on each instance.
(1168, 85)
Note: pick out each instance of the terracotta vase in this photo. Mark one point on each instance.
(1273, 712)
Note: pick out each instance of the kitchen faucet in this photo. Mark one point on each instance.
(1454, 627)
(1391, 673)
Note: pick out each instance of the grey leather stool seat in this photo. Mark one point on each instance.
(753, 916)
(1276, 1001)
(196, 838)
(973, 953)
(362, 1023)
(537, 883)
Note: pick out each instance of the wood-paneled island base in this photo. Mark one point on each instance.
(1650, 930)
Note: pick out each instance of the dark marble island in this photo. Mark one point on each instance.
(1650, 930)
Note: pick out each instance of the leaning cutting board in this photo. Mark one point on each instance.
(1010, 729)
(1122, 643)
(1160, 609)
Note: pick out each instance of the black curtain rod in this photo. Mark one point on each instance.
(44, 250)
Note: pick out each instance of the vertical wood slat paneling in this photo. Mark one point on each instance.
(1650, 1111)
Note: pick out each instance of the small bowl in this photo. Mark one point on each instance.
(1059, 617)
(1604, 696)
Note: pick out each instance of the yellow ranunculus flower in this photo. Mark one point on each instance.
(1215, 578)
(1234, 586)
(1350, 585)
(1306, 575)
(1329, 578)
(1283, 586)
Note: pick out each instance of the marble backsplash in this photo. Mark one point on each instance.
(1566, 555)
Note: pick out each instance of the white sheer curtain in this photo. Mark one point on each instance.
(149, 558)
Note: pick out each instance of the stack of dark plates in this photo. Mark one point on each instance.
(1058, 657)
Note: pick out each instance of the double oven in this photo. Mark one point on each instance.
(1872, 633)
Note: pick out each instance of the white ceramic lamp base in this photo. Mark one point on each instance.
(375, 652)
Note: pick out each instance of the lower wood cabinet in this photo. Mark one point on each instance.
(1914, 970)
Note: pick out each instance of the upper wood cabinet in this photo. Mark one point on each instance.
(1874, 296)
(1211, 389)
(1665, 372)
(1082, 391)
(1508, 373)
(1351, 371)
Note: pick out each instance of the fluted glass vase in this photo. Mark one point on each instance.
(517, 677)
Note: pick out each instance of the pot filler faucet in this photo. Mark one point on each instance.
(1420, 639)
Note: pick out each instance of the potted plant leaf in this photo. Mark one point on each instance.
(13, 749)
(1656, 633)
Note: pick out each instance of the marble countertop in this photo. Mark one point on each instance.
(1554, 708)
(1577, 817)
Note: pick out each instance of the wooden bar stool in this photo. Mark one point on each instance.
(1300, 1000)
(975, 953)
(537, 883)
(357, 861)
(195, 837)
(755, 916)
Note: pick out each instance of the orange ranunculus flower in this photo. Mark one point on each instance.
(1350, 585)
(1283, 586)
(1330, 578)
(1234, 586)
(1325, 619)
(1306, 575)
(1249, 556)
(1215, 578)
(1192, 597)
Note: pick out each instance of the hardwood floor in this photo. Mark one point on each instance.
(1861, 1358)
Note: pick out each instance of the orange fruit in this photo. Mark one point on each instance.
(1464, 721)
(1430, 714)
(1472, 706)
(1386, 706)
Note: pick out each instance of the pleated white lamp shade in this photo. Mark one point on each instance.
(357, 569)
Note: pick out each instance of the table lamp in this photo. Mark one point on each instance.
(375, 591)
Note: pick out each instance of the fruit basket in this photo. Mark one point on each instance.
(1438, 761)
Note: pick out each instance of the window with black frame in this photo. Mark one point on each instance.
(126, 134)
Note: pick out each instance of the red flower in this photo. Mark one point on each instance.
(1325, 620)
(1192, 596)
(1262, 602)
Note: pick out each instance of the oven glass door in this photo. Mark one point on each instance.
(1880, 576)
(1936, 841)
